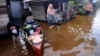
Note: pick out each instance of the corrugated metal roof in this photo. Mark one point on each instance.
(45, 0)
(35, 0)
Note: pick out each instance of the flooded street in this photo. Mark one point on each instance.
(78, 37)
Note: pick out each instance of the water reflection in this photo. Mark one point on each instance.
(96, 32)
(79, 33)
(79, 37)
(87, 46)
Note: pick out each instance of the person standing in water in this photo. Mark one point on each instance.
(51, 16)
(88, 8)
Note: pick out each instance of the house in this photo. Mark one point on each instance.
(39, 7)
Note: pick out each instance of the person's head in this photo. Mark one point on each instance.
(50, 6)
(11, 25)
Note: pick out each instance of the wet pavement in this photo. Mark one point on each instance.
(78, 37)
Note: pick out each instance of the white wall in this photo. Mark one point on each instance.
(2, 2)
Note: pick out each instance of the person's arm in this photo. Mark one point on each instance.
(56, 10)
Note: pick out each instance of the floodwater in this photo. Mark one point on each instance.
(78, 37)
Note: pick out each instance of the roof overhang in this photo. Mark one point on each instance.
(44, 0)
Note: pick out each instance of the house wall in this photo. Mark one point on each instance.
(2, 2)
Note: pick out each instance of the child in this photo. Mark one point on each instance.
(14, 30)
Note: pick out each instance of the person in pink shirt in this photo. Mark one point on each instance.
(88, 8)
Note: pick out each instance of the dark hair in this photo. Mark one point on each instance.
(12, 24)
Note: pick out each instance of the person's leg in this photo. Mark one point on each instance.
(88, 12)
(16, 36)
(85, 13)
(15, 33)
(54, 19)
(49, 21)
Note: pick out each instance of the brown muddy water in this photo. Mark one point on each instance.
(78, 37)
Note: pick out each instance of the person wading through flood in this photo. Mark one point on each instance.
(51, 16)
